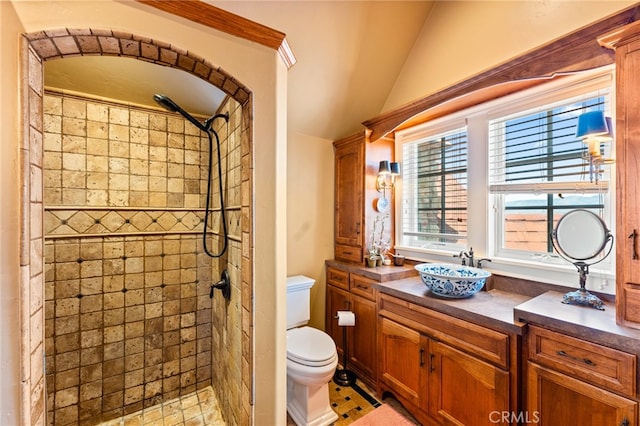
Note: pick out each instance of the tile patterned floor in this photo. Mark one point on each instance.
(352, 403)
(199, 408)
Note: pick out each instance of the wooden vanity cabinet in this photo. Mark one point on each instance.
(356, 168)
(352, 292)
(574, 382)
(443, 369)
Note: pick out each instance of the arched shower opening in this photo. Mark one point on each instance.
(79, 318)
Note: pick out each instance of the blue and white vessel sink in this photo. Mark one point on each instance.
(454, 281)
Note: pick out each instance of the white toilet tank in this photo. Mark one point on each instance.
(298, 300)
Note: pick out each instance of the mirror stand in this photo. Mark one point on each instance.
(582, 236)
(582, 296)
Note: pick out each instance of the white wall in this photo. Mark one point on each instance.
(463, 38)
(310, 213)
(257, 67)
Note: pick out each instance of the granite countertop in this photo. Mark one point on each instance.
(493, 308)
(580, 321)
(504, 310)
(379, 273)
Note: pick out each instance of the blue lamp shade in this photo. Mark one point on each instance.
(592, 123)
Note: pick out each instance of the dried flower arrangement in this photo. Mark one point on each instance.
(378, 247)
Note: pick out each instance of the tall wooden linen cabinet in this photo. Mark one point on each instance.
(626, 43)
(356, 169)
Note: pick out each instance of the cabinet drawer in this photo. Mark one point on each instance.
(362, 286)
(593, 363)
(338, 278)
(348, 253)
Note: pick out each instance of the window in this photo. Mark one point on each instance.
(498, 176)
(538, 172)
(434, 193)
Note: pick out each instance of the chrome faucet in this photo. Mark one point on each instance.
(479, 262)
(463, 261)
(469, 255)
(464, 255)
(467, 258)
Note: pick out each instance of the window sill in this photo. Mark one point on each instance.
(561, 274)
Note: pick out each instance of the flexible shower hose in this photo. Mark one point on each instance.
(207, 208)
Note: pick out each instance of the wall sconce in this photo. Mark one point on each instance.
(594, 129)
(390, 170)
(387, 173)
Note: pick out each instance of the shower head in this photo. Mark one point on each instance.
(169, 105)
(166, 102)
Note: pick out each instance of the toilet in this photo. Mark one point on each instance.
(311, 360)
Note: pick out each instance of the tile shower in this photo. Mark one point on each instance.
(128, 318)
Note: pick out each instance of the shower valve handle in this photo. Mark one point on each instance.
(224, 284)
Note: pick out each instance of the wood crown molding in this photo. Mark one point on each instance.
(621, 35)
(575, 52)
(221, 20)
(358, 136)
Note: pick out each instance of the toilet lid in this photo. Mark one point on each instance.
(310, 346)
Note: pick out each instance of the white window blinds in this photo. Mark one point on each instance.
(435, 190)
(537, 150)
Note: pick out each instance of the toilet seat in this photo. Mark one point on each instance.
(310, 346)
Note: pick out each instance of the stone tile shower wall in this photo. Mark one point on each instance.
(41, 46)
(128, 318)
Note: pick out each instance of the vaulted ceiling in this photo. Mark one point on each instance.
(348, 54)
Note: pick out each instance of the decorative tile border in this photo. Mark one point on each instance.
(75, 222)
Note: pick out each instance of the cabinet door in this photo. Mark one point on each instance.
(362, 338)
(628, 151)
(628, 186)
(349, 186)
(403, 366)
(555, 399)
(464, 390)
(337, 300)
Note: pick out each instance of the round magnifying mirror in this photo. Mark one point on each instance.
(581, 234)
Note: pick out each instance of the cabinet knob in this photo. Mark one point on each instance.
(357, 227)
(421, 357)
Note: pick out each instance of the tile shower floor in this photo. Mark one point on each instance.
(199, 408)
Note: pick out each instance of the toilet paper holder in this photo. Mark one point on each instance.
(344, 377)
